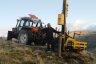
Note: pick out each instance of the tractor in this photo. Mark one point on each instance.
(28, 30)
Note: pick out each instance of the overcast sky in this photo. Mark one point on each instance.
(47, 10)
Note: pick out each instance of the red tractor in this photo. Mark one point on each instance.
(28, 30)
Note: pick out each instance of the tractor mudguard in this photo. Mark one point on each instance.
(11, 35)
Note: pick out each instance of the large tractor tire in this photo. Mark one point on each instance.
(25, 37)
(9, 35)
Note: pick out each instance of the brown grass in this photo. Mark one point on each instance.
(16, 53)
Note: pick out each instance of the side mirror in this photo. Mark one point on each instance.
(18, 20)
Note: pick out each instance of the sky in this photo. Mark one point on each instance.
(81, 13)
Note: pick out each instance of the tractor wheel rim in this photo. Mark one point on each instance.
(23, 38)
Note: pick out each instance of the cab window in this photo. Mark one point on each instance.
(38, 24)
(26, 23)
(21, 23)
(34, 24)
(18, 23)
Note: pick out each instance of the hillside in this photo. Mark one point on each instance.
(12, 52)
(16, 53)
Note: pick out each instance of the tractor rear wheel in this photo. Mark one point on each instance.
(25, 37)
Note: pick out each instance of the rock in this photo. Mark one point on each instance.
(14, 40)
(49, 57)
(36, 52)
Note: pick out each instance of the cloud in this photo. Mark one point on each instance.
(80, 25)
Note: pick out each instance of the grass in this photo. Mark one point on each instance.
(16, 53)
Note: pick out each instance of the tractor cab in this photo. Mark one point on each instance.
(27, 22)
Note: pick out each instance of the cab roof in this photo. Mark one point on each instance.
(30, 19)
(25, 18)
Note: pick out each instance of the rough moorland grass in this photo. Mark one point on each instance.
(16, 53)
